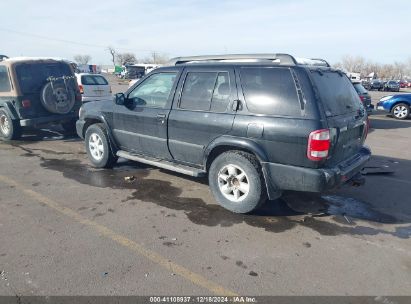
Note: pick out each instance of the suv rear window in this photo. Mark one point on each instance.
(93, 80)
(336, 92)
(33, 76)
(270, 91)
(4, 80)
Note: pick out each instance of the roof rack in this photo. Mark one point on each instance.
(322, 62)
(283, 59)
(3, 57)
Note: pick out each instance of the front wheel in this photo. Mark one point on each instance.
(98, 147)
(236, 181)
(9, 128)
(400, 111)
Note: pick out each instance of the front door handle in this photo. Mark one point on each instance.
(161, 118)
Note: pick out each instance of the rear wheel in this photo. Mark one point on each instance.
(9, 128)
(237, 183)
(400, 111)
(98, 147)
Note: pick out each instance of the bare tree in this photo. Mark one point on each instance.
(113, 54)
(126, 58)
(82, 59)
(156, 58)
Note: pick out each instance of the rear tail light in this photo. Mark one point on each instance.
(318, 144)
(26, 103)
(81, 89)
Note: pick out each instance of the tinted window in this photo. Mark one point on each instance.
(221, 94)
(93, 80)
(154, 91)
(4, 80)
(270, 91)
(33, 76)
(337, 93)
(198, 91)
(359, 88)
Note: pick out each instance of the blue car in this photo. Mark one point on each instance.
(398, 105)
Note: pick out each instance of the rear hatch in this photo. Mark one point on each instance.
(95, 86)
(31, 78)
(344, 113)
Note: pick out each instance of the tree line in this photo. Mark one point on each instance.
(358, 64)
(118, 58)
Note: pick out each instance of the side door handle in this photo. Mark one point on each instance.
(161, 118)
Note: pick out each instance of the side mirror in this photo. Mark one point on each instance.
(120, 99)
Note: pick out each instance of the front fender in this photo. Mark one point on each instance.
(94, 117)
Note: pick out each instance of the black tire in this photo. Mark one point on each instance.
(403, 108)
(9, 129)
(108, 158)
(243, 162)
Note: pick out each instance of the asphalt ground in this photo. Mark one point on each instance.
(69, 229)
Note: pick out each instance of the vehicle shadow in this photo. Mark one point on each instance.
(50, 134)
(368, 210)
(391, 123)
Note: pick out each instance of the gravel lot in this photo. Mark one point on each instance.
(69, 229)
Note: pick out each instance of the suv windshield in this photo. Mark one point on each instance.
(33, 76)
(336, 92)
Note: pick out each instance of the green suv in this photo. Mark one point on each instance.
(37, 92)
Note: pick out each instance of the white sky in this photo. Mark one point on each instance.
(377, 30)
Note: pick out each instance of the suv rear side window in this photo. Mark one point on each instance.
(337, 93)
(93, 80)
(206, 91)
(4, 80)
(270, 91)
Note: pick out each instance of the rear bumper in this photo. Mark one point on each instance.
(285, 177)
(48, 119)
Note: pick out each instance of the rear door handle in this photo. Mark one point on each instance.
(161, 118)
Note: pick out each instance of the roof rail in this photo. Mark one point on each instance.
(323, 62)
(284, 59)
(3, 57)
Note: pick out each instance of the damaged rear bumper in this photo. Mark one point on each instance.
(285, 177)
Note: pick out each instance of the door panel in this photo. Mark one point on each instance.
(140, 125)
(201, 112)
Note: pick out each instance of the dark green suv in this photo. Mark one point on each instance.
(37, 92)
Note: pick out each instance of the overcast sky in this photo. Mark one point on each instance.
(377, 30)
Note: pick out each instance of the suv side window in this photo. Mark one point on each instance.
(4, 80)
(270, 91)
(205, 91)
(154, 91)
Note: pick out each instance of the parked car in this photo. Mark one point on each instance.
(398, 105)
(93, 87)
(255, 124)
(403, 84)
(376, 84)
(37, 92)
(392, 86)
(364, 96)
